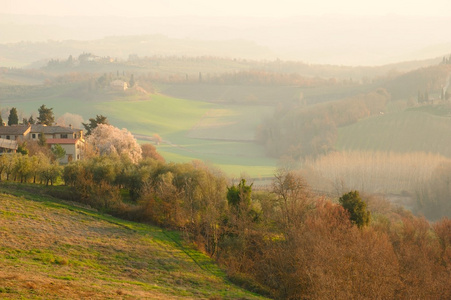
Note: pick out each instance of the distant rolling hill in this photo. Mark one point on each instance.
(425, 128)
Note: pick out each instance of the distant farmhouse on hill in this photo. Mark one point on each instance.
(69, 138)
(119, 85)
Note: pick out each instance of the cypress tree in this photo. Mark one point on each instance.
(13, 119)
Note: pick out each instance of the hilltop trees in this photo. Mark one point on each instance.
(46, 116)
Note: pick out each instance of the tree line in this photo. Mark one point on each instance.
(45, 117)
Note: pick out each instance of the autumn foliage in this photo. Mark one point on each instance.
(282, 241)
(286, 242)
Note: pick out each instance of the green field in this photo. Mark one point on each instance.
(54, 250)
(258, 94)
(425, 129)
(219, 134)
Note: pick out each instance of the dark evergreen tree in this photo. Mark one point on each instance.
(31, 120)
(13, 119)
(94, 122)
(46, 116)
(132, 81)
(352, 202)
(240, 194)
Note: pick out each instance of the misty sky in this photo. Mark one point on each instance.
(321, 31)
(257, 8)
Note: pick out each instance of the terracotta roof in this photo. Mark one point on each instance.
(62, 141)
(8, 144)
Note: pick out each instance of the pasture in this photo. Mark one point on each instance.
(54, 250)
(417, 130)
(221, 135)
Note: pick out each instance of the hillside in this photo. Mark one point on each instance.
(213, 109)
(53, 250)
(424, 128)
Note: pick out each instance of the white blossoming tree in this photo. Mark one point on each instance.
(107, 139)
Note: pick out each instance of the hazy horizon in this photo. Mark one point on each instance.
(249, 8)
(326, 32)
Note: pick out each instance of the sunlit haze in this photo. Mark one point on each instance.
(347, 32)
(283, 8)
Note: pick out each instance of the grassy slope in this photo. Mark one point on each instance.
(422, 129)
(51, 250)
(210, 132)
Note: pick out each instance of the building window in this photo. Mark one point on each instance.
(69, 157)
(64, 136)
(8, 137)
(78, 156)
(33, 135)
